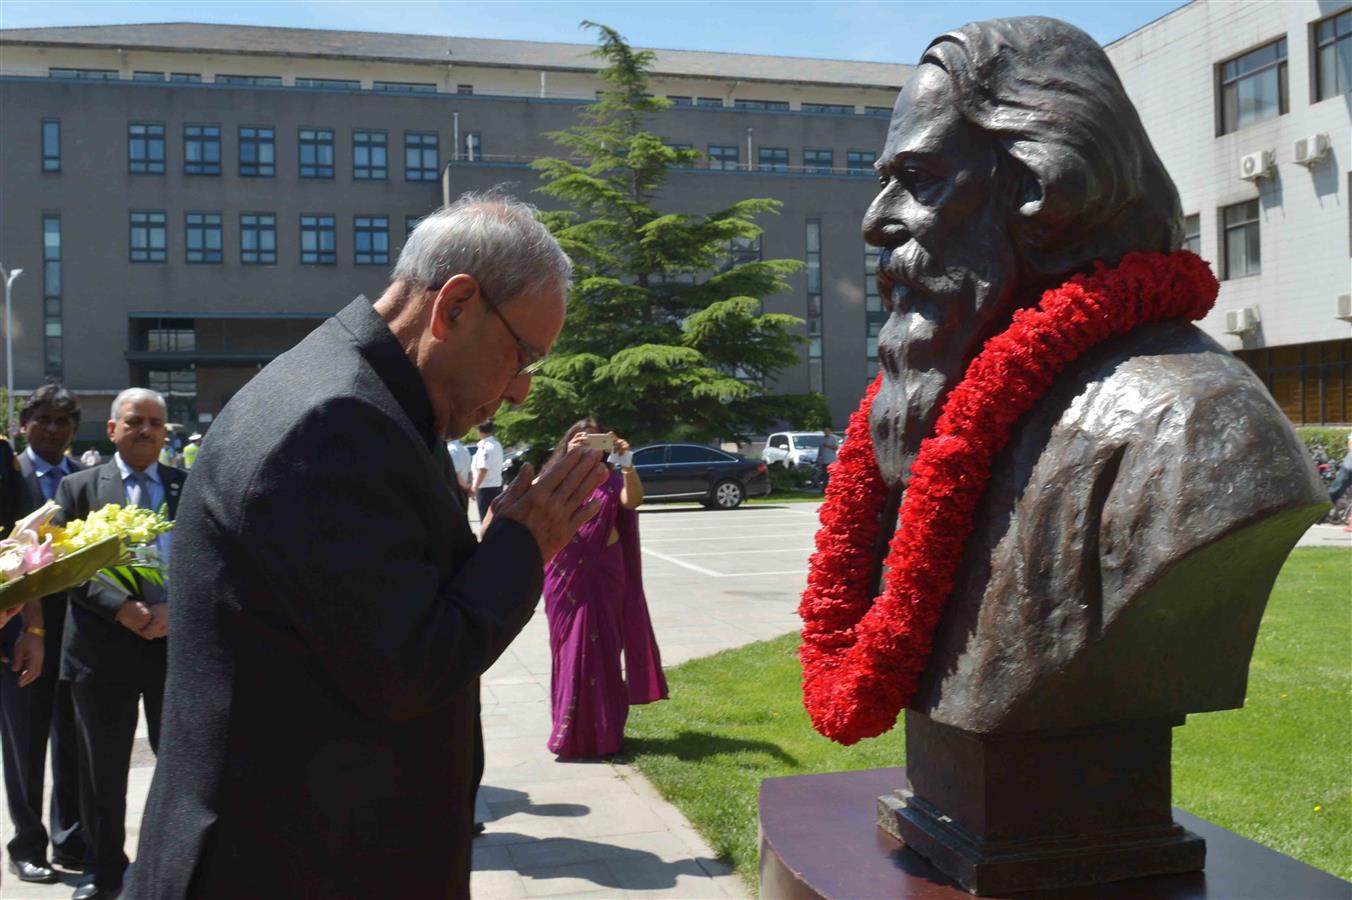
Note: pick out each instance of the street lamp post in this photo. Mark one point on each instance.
(9, 347)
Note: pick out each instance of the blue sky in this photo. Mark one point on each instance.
(845, 29)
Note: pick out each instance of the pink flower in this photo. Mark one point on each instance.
(24, 550)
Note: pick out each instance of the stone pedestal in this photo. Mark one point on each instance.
(820, 838)
(1050, 809)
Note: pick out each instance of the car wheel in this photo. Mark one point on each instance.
(727, 495)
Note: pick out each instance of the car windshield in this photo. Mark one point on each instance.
(808, 440)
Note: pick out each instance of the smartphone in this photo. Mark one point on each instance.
(604, 442)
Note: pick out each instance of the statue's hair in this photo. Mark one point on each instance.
(491, 236)
(1048, 95)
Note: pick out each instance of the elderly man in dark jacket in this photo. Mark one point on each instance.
(331, 608)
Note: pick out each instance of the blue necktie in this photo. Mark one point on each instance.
(51, 479)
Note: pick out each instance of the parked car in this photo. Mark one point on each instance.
(718, 479)
(794, 449)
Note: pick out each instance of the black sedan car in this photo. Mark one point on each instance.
(717, 479)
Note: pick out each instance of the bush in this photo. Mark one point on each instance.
(1331, 442)
(784, 480)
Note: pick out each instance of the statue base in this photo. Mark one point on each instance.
(1048, 809)
(820, 838)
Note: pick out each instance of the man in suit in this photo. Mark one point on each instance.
(114, 650)
(32, 708)
(332, 610)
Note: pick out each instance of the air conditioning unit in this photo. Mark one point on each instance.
(1242, 320)
(1310, 150)
(1345, 307)
(1253, 166)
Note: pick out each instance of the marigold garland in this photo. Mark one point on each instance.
(862, 657)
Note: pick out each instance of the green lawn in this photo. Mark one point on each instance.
(1278, 771)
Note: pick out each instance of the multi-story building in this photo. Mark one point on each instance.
(188, 200)
(1248, 106)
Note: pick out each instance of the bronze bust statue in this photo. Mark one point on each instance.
(1132, 528)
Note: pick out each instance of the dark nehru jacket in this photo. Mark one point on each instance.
(330, 613)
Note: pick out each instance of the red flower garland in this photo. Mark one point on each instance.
(862, 657)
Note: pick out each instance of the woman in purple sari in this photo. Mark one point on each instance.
(597, 611)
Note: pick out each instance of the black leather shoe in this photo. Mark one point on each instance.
(37, 873)
(68, 861)
(92, 891)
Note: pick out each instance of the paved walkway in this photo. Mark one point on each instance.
(715, 580)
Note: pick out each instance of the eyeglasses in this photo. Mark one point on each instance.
(533, 357)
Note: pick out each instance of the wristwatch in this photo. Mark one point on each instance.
(35, 630)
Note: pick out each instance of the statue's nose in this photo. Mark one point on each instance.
(882, 227)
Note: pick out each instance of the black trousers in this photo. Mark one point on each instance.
(105, 717)
(485, 496)
(29, 717)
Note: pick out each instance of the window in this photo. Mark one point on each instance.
(201, 149)
(464, 89)
(709, 101)
(1239, 225)
(179, 389)
(860, 162)
(818, 162)
(316, 153)
(814, 307)
(168, 335)
(185, 77)
(258, 239)
(474, 146)
(422, 159)
(773, 159)
(884, 112)
(148, 238)
(1253, 87)
(371, 240)
(723, 157)
(837, 109)
(651, 456)
(145, 148)
(52, 357)
(269, 80)
(257, 152)
(874, 314)
(743, 250)
(403, 87)
(147, 76)
(51, 145)
(685, 453)
(688, 163)
(370, 156)
(84, 74)
(1192, 233)
(318, 241)
(761, 104)
(681, 101)
(410, 223)
(1333, 56)
(202, 237)
(1312, 383)
(329, 84)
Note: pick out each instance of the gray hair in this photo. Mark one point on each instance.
(135, 395)
(1049, 96)
(492, 237)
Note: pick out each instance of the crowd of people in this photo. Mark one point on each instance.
(309, 672)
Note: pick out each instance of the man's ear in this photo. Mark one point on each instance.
(450, 304)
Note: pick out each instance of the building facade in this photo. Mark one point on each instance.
(1248, 106)
(187, 201)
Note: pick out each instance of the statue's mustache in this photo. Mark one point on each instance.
(908, 272)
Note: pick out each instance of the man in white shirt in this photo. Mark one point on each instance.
(460, 461)
(487, 468)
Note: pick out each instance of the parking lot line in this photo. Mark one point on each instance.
(746, 552)
(720, 538)
(712, 574)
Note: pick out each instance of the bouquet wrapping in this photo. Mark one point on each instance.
(115, 544)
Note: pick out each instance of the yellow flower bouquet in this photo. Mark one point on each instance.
(114, 544)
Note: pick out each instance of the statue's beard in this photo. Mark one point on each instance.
(940, 317)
